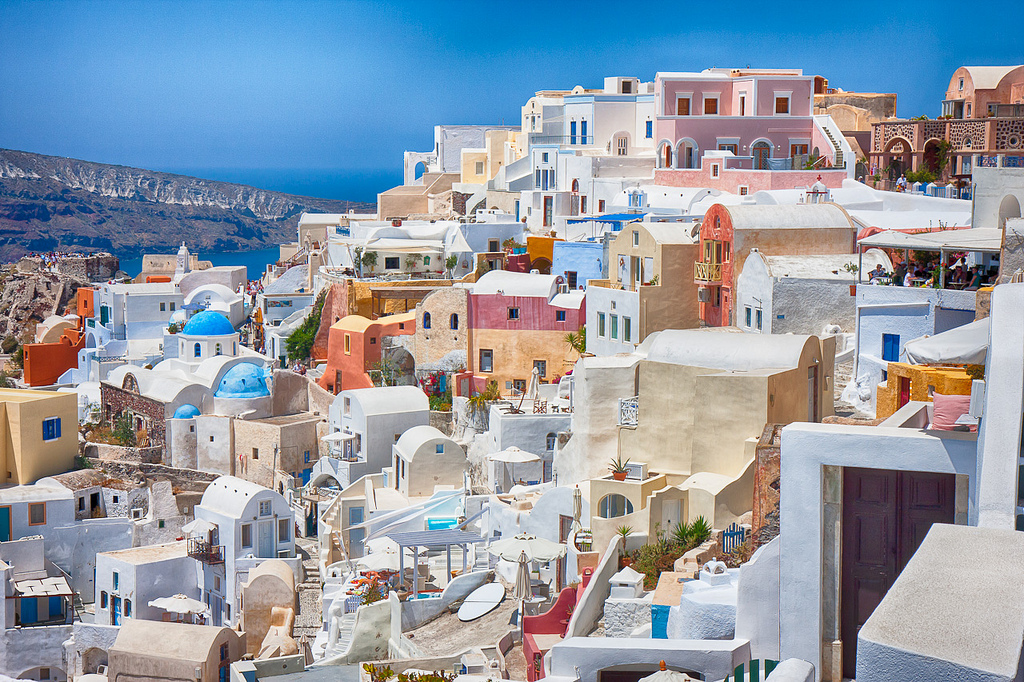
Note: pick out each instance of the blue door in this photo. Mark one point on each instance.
(116, 612)
(56, 607)
(5, 524)
(891, 347)
(29, 610)
(306, 473)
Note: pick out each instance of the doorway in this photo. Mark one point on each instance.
(886, 515)
(564, 528)
(265, 539)
(5, 524)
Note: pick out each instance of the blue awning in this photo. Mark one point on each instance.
(609, 218)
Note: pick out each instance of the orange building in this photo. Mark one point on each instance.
(45, 362)
(354, 346)
(906, 382)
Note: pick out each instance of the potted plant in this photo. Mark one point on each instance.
(619, 468)
(624, 558)
(852, 269)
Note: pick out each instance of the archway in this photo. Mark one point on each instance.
(664, 156)
(896, 157)
(686, 154)
(932, 162)
(418, 170)
(761, 151)
(92, 659)
(90, 340)
(543, 265)
(1009, 207)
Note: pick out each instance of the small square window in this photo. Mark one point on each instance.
(266, 508)
(559, 316)
(255, 453)
(246, 535)
(544, 157)
(373, 340)
(211, 439)
(51, 429)
(636, 238)
(160, 523)
(284, 530)
(115, 499)
(711, 105)
(781, 105)
(163, 306)
(513, 313)
(37, 514)
(439, 448)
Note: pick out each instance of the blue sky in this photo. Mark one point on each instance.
(265, 87)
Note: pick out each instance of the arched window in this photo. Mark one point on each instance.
(551, 441)
(217, 350)
(426, 320)
(453, 322)
(198, 350)
(613, 506)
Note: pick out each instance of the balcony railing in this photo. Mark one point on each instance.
(629, 411)
(707, 272)
(201, 550)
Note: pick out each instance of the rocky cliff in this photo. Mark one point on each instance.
(49, 203)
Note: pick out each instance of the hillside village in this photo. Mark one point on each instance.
(714, 376)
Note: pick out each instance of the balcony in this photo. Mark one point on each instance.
(208, 553)
(629, 411)
(707, 272)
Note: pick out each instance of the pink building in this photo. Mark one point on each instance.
(764, 119)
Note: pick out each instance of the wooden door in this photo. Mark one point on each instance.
(904, 391)
(564, 528)
(886, 515)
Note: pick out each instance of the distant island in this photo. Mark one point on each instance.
(52, 203)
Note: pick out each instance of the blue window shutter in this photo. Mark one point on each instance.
(56, 424)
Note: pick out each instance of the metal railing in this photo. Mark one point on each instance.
(629, 411)
(707, 272)
(208, 553)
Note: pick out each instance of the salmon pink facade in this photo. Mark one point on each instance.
(354, 345)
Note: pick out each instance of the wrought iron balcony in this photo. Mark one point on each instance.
(629, 411)
(707, 272)
(201, 550)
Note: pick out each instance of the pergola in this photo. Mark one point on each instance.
(444, 537)
(380, 294)
(976, 240)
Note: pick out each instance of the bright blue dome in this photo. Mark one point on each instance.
(186, 411)
(208, 323)
(244, 380)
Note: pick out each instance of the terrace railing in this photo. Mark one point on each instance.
(707, 272)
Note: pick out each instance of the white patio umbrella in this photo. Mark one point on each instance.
(666, 675)
(535, 548)
(379, 561)
(513, 455)
(198, 527)
(179, 603)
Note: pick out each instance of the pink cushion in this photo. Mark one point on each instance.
(949, 408)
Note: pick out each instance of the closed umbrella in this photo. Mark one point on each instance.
(533, 391)
(522, 591)
(577, 510)
(535, 548)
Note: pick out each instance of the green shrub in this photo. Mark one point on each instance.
(300, 342)
(9, 344)
(123, 432)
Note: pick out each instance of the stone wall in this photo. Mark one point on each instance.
(106, 451)
(115, 400)
(442, 421)
(766, 476)
(94, 268)
(459, 200)
(623, 616)
(336, 306)
(187, 479)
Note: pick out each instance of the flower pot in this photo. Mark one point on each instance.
(619, 475)
(853, 290)
(625, 561)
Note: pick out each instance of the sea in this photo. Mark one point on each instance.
(352, 184)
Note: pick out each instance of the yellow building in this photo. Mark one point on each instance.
(917, 382)
(40, 434)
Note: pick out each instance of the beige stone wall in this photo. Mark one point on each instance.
(261, 448)
(28, 457)
(433, 344)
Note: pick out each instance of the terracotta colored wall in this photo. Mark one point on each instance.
(717, 225)
(85, 303)
(945, 380)
(364, 346)
(45, 362)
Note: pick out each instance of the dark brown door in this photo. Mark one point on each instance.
(886, 515)
(904, 391)
(564, 528)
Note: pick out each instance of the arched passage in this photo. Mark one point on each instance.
(931, 157)
(664, 156)
(1009, 207)
(687, 154)
(761, 151)
(896, 157)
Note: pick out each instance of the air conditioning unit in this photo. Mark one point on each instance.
(637, 470)
(977, 408)
(703, 294)
(136, 514)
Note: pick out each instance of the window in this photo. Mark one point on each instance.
(600, 205)
(284, 530)
(453, 321)
(747, 316)
(621, 146)
(426, 320)
(583, 132)
(683, 106)
(391, 262)
(246, 535)
(615, 327)
(559, 316)
(544, 157)
(729, 147)
(583, 203)
(348, 344)
(600, 325)
(117, 580)
(649, 130)
(743, 105)
(744, 190)
(486, 360)
(266, 508)
(51, 428)
(439, 449)
(163, 306)
(968, 110)
(492, 245)
(211, 439)
(710, 105)
(255, 453)
(103, 600)
(81, 504)
(613, 506)
(961, 83)
(781, 104)
(550, 441)
(542, 367)
(37, 514)
(627, 87)
(348, 405)
(627, 331)
(197, 350)
(513, 313)
(127, 608)
(355, 516)
(223, 652)
(714, 170)
(426, 260)
(217, 350)
(479, 167)
(891, 347)
(758, 317)
(44, 673)
(305, 457)
(216, 583)
(172, 306)
(373, 340)
(572, 132)
(636, 238)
